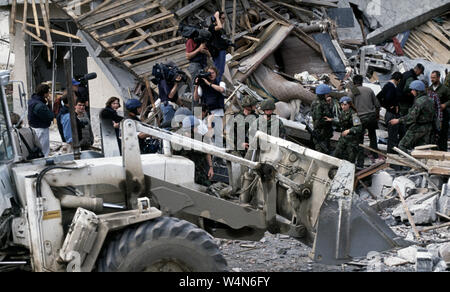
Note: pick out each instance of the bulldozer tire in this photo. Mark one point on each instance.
(164, 244)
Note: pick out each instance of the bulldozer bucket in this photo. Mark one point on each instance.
(346, 233)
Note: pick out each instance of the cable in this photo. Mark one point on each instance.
(42, 173)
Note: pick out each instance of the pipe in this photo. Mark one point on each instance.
(73, 202)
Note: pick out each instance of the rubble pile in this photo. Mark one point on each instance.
(415, 203)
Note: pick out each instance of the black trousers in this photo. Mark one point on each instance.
(395, 133)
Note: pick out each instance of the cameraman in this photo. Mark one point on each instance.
(197, 53)
(211, 92)
(168, 94)
(218, 43)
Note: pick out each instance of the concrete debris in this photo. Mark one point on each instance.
(381, 184)
(422, 212)
(444, 252)
(409, 254)
(424, 261)
(394, 261)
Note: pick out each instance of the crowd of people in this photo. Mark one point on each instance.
(416, 113)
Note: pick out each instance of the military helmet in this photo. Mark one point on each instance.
(345, 100)
(248, 101)
(132, 104)
(417, 85)
(323, 89)
(268, 104)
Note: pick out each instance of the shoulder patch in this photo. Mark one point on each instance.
(356, 120)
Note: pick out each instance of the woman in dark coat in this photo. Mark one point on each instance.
(110, 113)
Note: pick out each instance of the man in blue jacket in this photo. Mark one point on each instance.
(40, 116)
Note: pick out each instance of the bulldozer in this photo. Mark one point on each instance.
(146, 213)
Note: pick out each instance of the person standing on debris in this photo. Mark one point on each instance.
(197, 54)
(388, 98)
(218, 51)
(322, 112)
(443, 93)
(40, 116)
(368, 109)
(406, 98)
(109, 113)
(351, 128)
(238, 126)
(211, 92)
(268, 123)
(168, 94)
(419, 119)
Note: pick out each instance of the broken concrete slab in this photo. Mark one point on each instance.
(394, 261)
(408, 254)
(404, 182)
(399, 16)
(444, 252)
(444, 201)
(422, 213)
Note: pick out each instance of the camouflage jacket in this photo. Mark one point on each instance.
(349, 120)
(319, 110)
(421, 113)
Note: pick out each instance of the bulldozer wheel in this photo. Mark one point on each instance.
(164, 244)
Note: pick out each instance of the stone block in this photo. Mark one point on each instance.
(444, 252)
(409, 254)
(424, 261)
(422, 213)
(405, 184)
(444, 205)
(394, 261)
(381, 183)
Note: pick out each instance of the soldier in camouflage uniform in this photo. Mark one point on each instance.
(268, 123)
(420, 119)
(322, 112)
(239, 126)
(351, 128)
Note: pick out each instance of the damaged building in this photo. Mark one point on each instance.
(282, 50)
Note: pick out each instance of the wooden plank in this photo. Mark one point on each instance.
(12, 25)
(256, 27)
(95, 10)
(408, 213)
(297, 32)
(120, 43)
(109, 11)
(121, 17)
(410, 158)
(249, 65)
(435, 227)
(160, 44)
(25, 15)
(46, 20)
(309, 13)
(145, 22)
(317, 3)
(62, 33)
(186, 10)
(233, 25)
(170, 51)
(36, 20)
(76, 3)
(36, 37)
(430, 154)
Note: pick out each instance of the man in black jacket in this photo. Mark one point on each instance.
(40, 116)
(389, 99)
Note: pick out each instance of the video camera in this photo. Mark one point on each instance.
(84, 79)
(168, 73)
(202, 74)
